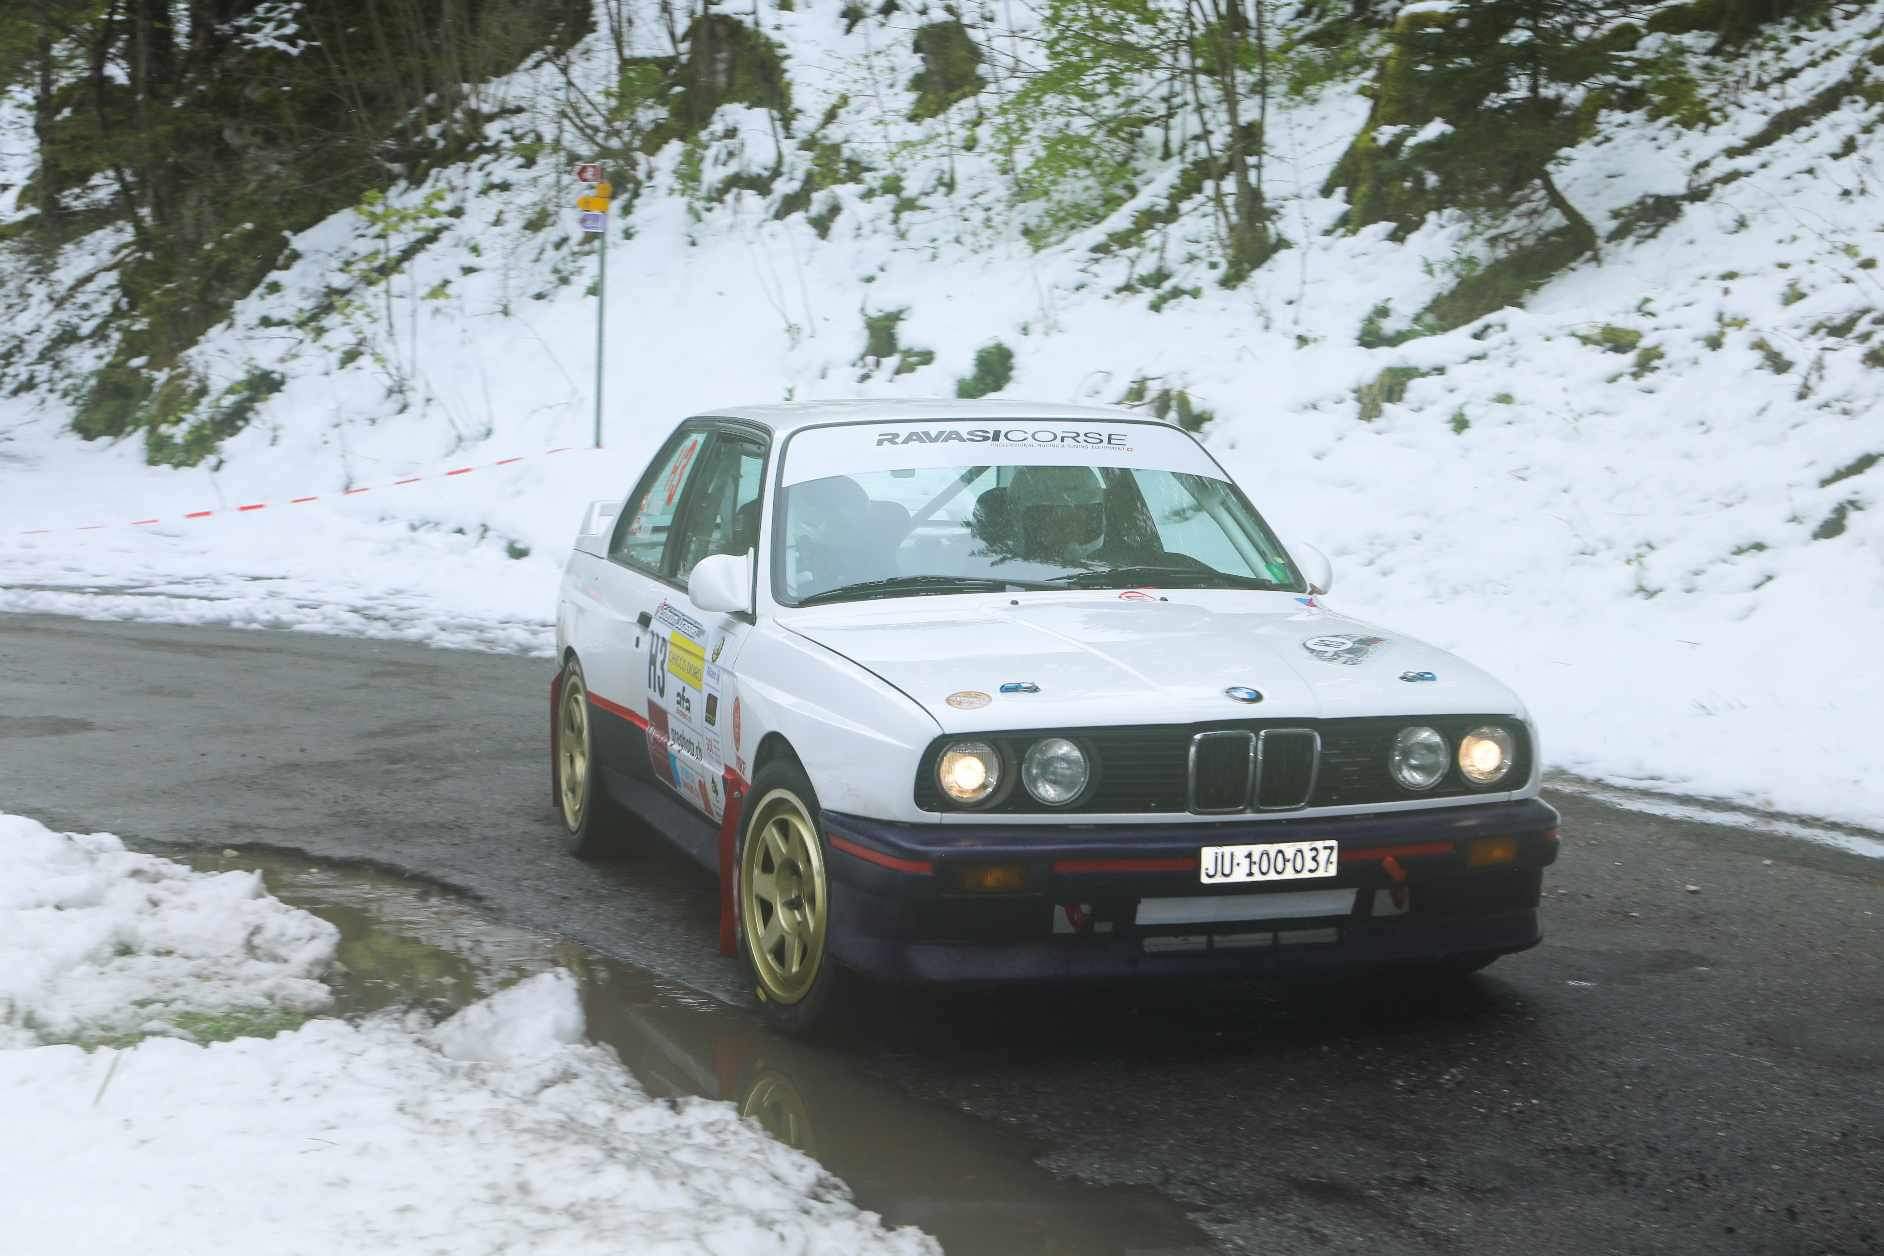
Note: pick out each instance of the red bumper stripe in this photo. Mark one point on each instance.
(1181, 863)
(1406, 850)
(882, 860)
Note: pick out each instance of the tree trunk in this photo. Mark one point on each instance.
(46, 193)
(1580, 228)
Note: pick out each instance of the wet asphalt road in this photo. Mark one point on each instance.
(1672, 1071)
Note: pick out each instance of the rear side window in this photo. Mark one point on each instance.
(641, 533)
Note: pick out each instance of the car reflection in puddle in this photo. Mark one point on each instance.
(406, 943)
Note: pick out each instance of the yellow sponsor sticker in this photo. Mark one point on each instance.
(686, 659)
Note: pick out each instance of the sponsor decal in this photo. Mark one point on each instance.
(1029, 436)
(719, 644)
(681, 741)
(674, 617)
(686, 660)
(1339, 648)
(1307, 601)
(1135, 595)
(737, 739)
(1417, 676)
(1020, 686)
(712, 709)
(968, 699)
(1243, 693)
(658, 759)
(683, 705)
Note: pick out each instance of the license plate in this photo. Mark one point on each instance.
(1280, 861)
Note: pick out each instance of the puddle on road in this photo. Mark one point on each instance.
(405, 943)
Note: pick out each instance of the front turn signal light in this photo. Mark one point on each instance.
(991, 878)
(1488, 852)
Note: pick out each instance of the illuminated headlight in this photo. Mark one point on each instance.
(1418, 760)
(1485, 755)
(968, 771)
(1055, 771)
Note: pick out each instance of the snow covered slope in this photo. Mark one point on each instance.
(1646, 499)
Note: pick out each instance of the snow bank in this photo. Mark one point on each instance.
(98, 942)
(499, 1130)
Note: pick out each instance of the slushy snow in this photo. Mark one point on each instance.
(497, 1130)
(1644, 500)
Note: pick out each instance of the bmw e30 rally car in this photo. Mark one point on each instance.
(988, 691)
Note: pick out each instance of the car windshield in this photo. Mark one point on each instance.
(906, 531)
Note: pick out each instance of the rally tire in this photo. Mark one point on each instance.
(782, 906)
(593, 825)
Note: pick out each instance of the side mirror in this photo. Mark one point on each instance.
(598, 520)
(722, 583)
(1315, 566)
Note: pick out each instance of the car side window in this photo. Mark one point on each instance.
(723, 508)
(641, 533)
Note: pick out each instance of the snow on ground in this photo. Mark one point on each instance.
(1673, 551)
(499, 1129)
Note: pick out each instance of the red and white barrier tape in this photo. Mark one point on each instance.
(302, 501)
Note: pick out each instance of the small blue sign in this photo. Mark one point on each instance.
(1417, 676)
(1020, 686)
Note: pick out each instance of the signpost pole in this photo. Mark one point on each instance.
(594, 207)
(601, 316)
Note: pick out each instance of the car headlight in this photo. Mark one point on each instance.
(1055, 771)
(1418, 760)
(968, 771)
(1485, 755)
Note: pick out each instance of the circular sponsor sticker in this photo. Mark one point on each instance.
(1328, 644)
(968, 699)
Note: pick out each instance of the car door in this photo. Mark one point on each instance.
(630, 587)
(692, 654)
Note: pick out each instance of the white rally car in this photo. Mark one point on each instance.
(987, 691)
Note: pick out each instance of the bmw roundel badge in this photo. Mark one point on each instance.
(1243, 693)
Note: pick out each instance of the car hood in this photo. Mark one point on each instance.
(1147, 657)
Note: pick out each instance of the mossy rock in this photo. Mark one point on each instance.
(114, 403)
(727, 63)
(950, 68)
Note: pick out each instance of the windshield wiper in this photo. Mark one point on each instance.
(1170, 577)
(906, 586)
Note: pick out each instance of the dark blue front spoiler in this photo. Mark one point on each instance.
(902, 909)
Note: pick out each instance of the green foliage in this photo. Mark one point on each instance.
(1335, 52)
(994, 370)
(1646, 359)
(950, 68)
(199, 439)
(1673, 91)
(1834, 524)
(114, 403)
(1611, 338)
(1384, 389)
(1174, 405)
(1772, 359)
(882, 344)
(1459, 423)
(1857, 466)
(1505, 281)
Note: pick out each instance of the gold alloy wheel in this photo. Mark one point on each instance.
(572, 748)
(785, 898)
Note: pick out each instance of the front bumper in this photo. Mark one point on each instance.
(902, 910)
